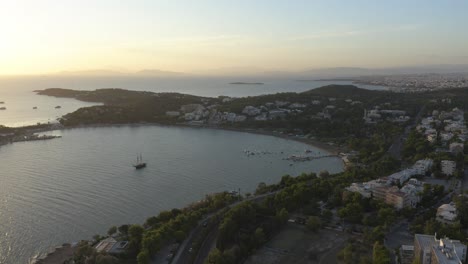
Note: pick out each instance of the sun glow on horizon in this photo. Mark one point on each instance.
(192, 36)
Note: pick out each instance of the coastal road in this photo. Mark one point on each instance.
(207, 246)
(183, 255)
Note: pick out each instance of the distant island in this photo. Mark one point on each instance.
(247, 83)
(329, 80)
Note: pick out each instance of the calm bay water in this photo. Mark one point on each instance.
(71, 188)
(19, 99)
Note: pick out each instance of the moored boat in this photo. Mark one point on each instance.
(139, 163)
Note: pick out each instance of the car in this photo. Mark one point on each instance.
(190, 250)
(169, 257)
(205, 224)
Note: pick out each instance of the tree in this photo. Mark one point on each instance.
(327, 215)
(106, 259)
(259, 237)
(282, 215)
(261, 188)
(227, 230)
(386, 216)
(135, 233)
(152, 241)
(143, 257)
(123, 229)
(352, 212)
(313, 223)
(112, 230)
(324, 174)
(179, 235)
(83, 253)
(380, 254)
(215, 257)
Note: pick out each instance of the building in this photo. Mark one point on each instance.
(403, 176)
(456, 147)
(430, 250)
(413, 190)
(423, 166)
(111, 246)
(406, 254)
(447, 214)
(448, 167)
(396, 198)
(446, 136)
(360, 188)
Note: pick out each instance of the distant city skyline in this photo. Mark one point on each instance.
(199, 37)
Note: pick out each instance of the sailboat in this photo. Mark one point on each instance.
(139, 163)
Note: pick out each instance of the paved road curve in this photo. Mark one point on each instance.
(183, 255)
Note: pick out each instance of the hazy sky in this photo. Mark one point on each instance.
(199, 35)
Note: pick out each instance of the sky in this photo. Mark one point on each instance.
(195, 36)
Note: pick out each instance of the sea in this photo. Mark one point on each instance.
(73, 187)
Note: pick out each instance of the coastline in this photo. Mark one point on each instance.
(330, 149)
(58, 253)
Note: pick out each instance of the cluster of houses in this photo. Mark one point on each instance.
(375, 115)
(446, 126)
(203, 114)
(448, 129)
(209, 114)
(387, 190)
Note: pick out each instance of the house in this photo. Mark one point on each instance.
(173, 113)
(111, 246)
(423, 166)
(360, 188)
(406, 254)
(281, 103)
(430, 250)
(446, 136)
(297, 105)
(261, 117)
(251, 110)
(456, 147)
(404, 175)
(396, 198)
(277, 113)
(413, 190)
(448, 167)
(447, 214)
